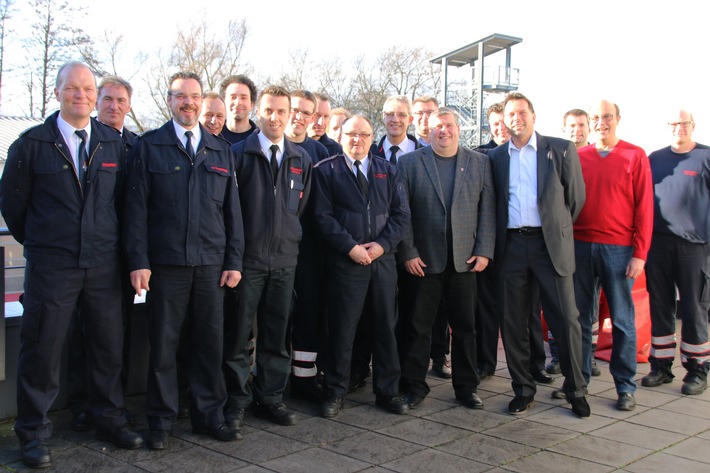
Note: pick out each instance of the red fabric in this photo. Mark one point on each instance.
(618, 210)
(643, 324)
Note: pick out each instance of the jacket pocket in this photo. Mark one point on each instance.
(294, 195)
(106, 176)
(166, 179)
(217, 177)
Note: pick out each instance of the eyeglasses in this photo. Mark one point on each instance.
(181, 97)
(362, 136)
(391, 115)
(684, 124)
(419, 113)
(606, 118)
(303, 113)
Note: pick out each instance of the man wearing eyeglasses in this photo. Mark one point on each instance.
(611, 239)
(319, 126)
(361, 212)
(451, 238)
(184, 239)
(422, 108)
(397, 116)
(680, 257)
(308, 327)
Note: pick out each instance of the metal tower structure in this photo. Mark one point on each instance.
(467, 86)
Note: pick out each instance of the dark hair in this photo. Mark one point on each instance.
(238, 79)
(184, 75)
(518, 96)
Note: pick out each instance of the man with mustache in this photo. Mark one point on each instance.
(184, 240)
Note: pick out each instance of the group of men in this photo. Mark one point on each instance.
(330, 252)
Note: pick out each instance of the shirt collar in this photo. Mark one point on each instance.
(266, 144)
(68, 130)
(180, 132)
(531, 142)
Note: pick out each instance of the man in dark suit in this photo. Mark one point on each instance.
(361, 213)
(113, 104)
(65, 209)
(540, 192)
(184, 240)
(450, 239)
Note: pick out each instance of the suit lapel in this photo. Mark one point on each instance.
(430, 166)
(543, 161)
(463, 160)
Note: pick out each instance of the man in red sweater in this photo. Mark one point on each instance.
(611, 237)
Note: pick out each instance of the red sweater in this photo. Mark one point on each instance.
(619, 206)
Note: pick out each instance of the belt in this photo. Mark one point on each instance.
(526, 230)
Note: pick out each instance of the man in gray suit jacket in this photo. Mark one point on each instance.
(540, 191)
(451, 237)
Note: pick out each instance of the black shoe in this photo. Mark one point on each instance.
(558, 394)
(222, 432)
(442, 368)
(277, 413)
(357, 381)
(520, 404)
(470, 400)
(413, 399)
(234, 418)
(158, 439)
(394, 404)
(657, 377)
(83, 421)
(694, 383)
(626, 402)
(331, 407)
(553, 367)
(542, 377)
(580, 407)
(121, 437)
(307, 389)
(35, 454)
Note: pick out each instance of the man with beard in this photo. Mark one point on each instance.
(184, 240)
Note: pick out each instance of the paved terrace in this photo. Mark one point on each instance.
(668, 432)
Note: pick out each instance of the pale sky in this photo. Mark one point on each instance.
(647, 56)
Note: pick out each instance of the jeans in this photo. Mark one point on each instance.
(604, 265)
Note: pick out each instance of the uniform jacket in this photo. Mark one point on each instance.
(346, 218)
(180, 212)
(560, 197)
(272, 212)
(331, 145)
(472, 210)
(59, 223)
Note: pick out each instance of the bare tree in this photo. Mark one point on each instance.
(202, 49)
(408, 71)
(295, 76)
(5, 14)
(53, 38)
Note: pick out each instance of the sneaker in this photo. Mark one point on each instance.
(442, 368)
(595, 369)
(553, 367)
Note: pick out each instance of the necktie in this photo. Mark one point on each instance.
(361, 178)
(393, 154)
(188, 145)
(274, 162)
(83, 157)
